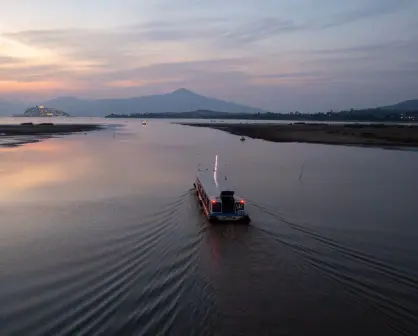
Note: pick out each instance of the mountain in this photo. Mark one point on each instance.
(8, 108)
(181, 100)
(76, 107)
(405, 106)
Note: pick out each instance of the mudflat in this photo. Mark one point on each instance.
(16, 135)
(47, 128)
(379, 135)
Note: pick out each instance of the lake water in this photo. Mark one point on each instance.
(101, 234)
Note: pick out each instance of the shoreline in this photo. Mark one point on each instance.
(370, 135)
(17, 135)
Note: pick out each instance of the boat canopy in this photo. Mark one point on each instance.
(210, 187)
(227, 193)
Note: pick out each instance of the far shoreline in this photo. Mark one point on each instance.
(393, 136)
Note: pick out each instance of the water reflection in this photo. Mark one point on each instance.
(26, 171)
(33, 172)
(226, 241)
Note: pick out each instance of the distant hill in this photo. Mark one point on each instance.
(405, 106)
(178, 101)
(9, 109)
(181, 100)
(76, 107)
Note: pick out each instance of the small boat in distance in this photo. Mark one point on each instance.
(242, 138)
(144, 122)
(219, 204)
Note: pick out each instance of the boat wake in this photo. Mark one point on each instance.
(163, 269)
(361, 276)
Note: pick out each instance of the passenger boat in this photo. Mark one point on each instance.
(219, 204)
(144, 123)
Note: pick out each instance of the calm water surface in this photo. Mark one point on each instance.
(101, 234)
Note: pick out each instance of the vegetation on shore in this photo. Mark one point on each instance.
(367, 115)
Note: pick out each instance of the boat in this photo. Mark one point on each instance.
(242, 138)
(144, 122)
(219, 203)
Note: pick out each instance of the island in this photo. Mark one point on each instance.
(42, 111)
(375, 135)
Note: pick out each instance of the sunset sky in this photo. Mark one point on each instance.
(279, 55)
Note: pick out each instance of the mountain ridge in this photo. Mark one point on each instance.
(180, 100)
(177, 101)
(406, 105)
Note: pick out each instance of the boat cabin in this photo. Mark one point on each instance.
(217, 200)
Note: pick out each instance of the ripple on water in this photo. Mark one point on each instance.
(146, 262)
(360, 276)
(85, 292)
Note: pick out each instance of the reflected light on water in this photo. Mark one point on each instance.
(43, 146)
(29, 177)
(25, 170)
(39, 172)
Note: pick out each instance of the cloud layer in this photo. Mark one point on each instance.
(280, 55)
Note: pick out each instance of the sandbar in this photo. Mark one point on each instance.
(14, 135)
(374, 135)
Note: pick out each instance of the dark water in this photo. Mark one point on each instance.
(103, 236)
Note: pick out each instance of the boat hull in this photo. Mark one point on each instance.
(231, 219)
(221, 217)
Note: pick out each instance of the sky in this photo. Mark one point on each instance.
(279, 55)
